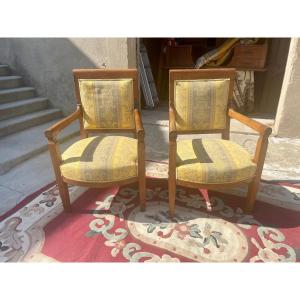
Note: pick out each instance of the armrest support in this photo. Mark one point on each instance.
(262, 143)
(140, 133)
(52, 131)
(172, 125)
(258, 127)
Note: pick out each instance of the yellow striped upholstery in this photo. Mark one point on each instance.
(100, 159)
(107, 103)
(213, 161)
(201, 104)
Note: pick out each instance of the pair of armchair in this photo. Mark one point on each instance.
(108, 102)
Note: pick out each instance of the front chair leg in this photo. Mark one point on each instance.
(251, 195)
(172, 197)
(142, 174)
(259, 159)
(64, 194)
(62, 186)
(142, 191)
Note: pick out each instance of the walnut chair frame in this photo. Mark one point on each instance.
(138, 132)
(261, 147)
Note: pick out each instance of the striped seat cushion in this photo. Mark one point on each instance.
(100, 159)
(201, 104)
(107, 103)
(213, 161)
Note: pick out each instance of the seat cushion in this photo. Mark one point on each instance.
(107, 103)
(201, 104)
(213, 161)
(100, 159)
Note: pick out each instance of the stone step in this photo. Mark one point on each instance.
(4, 70)
(18, 147)
(21, 93)
(16, 108)
(10, 82)
(19, 123)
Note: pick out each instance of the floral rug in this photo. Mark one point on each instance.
(106, 225)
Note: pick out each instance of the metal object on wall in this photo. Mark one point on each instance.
(147, 80)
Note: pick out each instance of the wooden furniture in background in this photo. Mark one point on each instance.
(179, 57)
(201, 154)
(251, 57)
(86, 157)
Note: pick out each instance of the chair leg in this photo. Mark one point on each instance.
(172, 197)
(205, 195)
(142, 174)
(251, 195)
(62, 186)
(142, 191)
(64, 195)
(172, 175)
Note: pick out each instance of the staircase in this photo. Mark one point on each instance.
(24, 116)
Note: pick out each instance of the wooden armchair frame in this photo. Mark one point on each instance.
(261, 147)
(52, 132)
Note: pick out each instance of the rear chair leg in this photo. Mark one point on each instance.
(205, 195)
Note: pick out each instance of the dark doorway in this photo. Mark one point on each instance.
(267, 81)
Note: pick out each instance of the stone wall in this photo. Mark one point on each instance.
(47, 63)
(287, 123)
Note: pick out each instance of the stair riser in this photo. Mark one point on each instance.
(10, 83)
(21, 110)
(8, 165)
(9, 97)
(4, 71)
(29, 123)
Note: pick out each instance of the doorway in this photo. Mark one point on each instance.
(185, 51)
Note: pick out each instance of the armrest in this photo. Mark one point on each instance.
(138, 125)
(258, 127)
(172, 125)
(52, 131)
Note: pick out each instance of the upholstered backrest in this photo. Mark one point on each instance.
(107, 103)
(201, 104)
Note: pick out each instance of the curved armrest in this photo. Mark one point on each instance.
(138, 125)
(52, 131)
(172, 125)
(258, 127)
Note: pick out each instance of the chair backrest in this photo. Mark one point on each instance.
(201, 99)
(107, 98)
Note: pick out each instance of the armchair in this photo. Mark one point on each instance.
(107, 102)
(199, 104)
